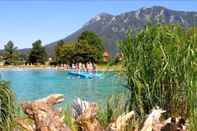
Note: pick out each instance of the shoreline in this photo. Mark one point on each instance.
(45, 67)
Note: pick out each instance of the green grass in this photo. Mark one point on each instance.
(111, 109)
(69, 120)
(7, 107)
(192, 91)
(160, 65)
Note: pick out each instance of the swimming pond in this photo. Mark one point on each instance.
(34, 84)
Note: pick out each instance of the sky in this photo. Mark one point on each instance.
(25, 21)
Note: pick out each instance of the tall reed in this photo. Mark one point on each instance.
(7, 107)
(192, 91)
(159, 64)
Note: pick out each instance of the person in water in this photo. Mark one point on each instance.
(94, 68)
(73, 66)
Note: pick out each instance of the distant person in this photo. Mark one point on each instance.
(73, 66)
(77, 66)
(94, 68)
(83, 67)
(87, 67)
(80, 66)
(90, 68)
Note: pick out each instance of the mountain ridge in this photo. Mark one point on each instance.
(112, 28)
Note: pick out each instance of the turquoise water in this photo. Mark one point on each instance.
(34, 84)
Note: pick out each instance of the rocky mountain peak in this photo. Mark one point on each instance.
(113, 28)
(100, 17)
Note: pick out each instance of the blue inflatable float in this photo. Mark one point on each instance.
(89, 75)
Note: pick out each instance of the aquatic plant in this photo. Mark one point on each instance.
(7, 107)
(159, 64)
(114, 110)
(69, 120)
(192, 88)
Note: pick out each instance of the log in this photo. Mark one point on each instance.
(85, 115)
(24, 124)
(45, 116)
(153, 123)
(121, 122)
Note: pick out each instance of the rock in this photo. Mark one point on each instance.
(121, 122)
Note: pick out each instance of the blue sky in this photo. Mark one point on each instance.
(24, 21)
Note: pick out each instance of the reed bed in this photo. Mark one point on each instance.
(160, 66)
(7, 107)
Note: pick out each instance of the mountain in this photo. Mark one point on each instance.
(113, 28)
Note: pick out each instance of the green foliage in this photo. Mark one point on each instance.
(92, 39)
(23, 57)
(88, 48)
(37, 54)
(84, 52)
(114, 107)
(65, 52)
(69, 120)
(59, 53)
(10, 54)
(7, 107)
(159, 66)
(192, 91)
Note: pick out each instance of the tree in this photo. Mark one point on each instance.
(24, 57)
(84, 52)
(37, 54)
(94, 41)
(10, 54)
(64, 52)
(59, 51)
(88, 48)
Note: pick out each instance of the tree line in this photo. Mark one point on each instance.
(12, 56)
(87, 48)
